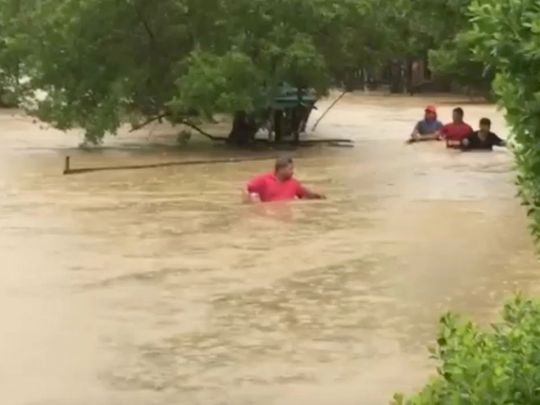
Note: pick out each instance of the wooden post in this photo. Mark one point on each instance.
(67, 168)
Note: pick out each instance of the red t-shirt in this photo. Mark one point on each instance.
(455, 133)
(270, 188)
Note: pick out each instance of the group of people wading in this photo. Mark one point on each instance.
(457, 134)
(280, 185)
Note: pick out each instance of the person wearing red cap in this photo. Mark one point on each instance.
(427, 129)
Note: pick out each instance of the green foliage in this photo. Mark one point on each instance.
(428, 25)
(505, 35)
(11, 50)
(103, 62)
(455, 60)
(494, 367)
(436, 28)
(433, 30)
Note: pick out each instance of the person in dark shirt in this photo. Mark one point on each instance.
(482, 139)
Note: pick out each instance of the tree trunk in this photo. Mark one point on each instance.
(279, 126)
(352, 80)
(306, 115)
(296, 123)
(396, 82)
(244, 129)
(409, 77)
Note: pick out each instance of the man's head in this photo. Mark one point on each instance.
(284, 168)
(457, 115)
(485, 125)
(430, 113)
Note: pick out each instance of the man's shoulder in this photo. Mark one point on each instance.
(260, 178)
(297, 184)
(447, 127)
(429, 123)
(263, 175)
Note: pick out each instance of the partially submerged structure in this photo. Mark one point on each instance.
(284, 119)
(290, 112)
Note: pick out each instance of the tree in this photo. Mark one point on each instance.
(448, 56)
(11, 52)
(434, 30)
(103, 63)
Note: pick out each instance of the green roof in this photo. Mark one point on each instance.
(288, 98)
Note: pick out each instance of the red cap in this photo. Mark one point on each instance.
(431, 109)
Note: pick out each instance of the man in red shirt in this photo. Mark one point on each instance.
(279, 185)
(457, 130)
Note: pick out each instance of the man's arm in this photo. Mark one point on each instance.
(306, 194)
(443, 132)
(415, 134)
(497, 141)
(429, 137)
(433, 136)
(466, 143)
(310, 195)
(253, 190)
(249, 198)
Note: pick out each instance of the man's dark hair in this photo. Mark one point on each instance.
(282, 162)
(459, 110)
(485, 121)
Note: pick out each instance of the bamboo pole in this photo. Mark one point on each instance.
(69, 171)
(328, 110)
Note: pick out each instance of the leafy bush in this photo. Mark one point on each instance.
(496, 366)
(505, 36)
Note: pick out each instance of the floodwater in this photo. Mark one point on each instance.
(158, 287)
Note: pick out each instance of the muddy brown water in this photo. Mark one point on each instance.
(157, 287)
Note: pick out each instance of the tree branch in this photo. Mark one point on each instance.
(147, 28)
(149, 121)
(201, 131)
(328, 110)
(184, 121)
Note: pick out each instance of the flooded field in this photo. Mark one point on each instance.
(158, 287)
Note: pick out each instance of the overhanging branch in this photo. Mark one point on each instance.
(190, 124)
(183, 121)
(149, 121)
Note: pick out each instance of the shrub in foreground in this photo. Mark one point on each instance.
(500, 365)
